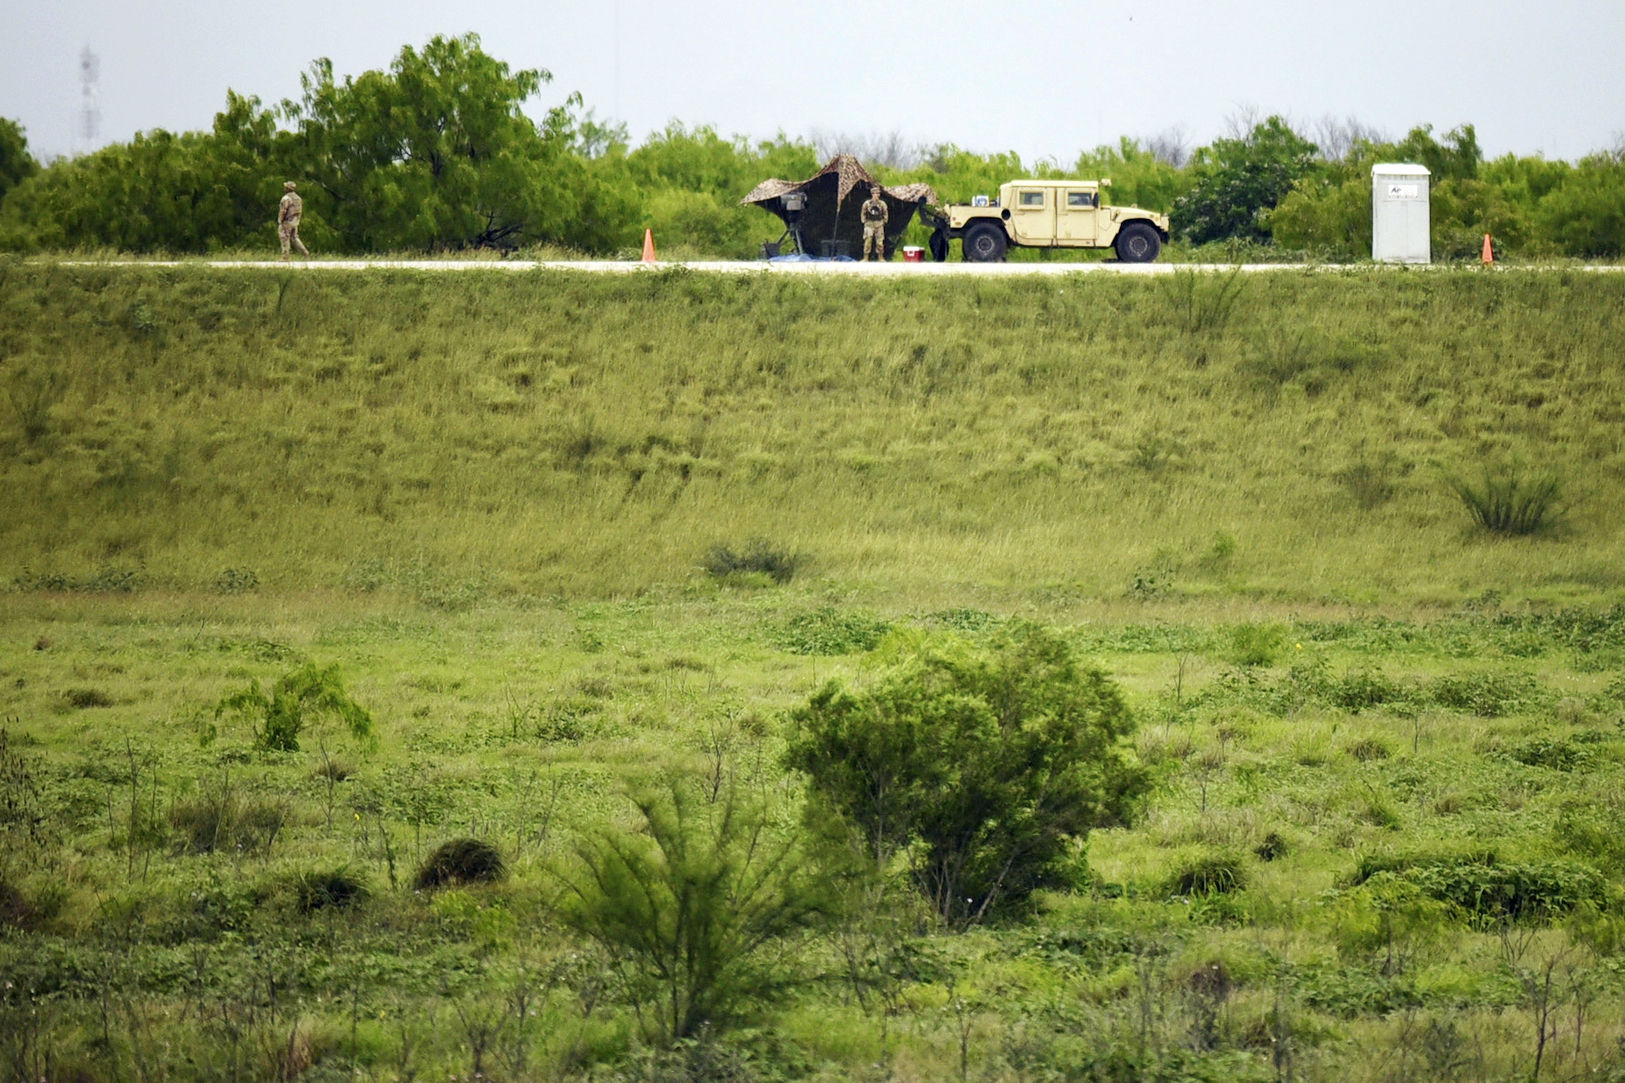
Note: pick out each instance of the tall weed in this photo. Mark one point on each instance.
(1509, 500)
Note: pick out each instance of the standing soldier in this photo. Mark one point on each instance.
(287, 220)
(874, 225)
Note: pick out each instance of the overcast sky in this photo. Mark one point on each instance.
(1044, 78)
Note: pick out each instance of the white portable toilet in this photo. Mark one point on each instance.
(1401, 231)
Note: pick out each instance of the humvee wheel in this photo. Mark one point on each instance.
(1137, 242)
(984, 243)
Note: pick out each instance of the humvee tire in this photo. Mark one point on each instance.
(985, 243)
(1137, 243)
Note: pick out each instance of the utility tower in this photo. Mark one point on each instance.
(90, 107)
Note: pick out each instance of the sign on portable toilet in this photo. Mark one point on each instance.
(1401, 231)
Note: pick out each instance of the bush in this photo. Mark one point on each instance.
(461, 861)
(1362, 689)
(984, 767)
(829, 631)
(689, 907)
(15, 909)
(1488, 695)
(1255, 644)
(1507, 501)
(1490, 892)
(298, 699)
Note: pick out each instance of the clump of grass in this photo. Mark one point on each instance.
(329, 889)
(1371, 483)
(1506, 500)
(1271, 846)
(82, 699)
(237, 581)
(759, 556)
(461, 861)
(1207, 874)
(222, 821)
(1370, 749)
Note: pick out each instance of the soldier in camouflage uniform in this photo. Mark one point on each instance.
(287, 220)
(874, 215)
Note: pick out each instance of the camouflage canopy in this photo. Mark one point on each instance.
(829, 215)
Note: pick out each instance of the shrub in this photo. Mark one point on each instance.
(1363, 689)
(1557, 753)
(299, 698)
(1532, 892)
(461, 861)
(759, 556)
(690, 907)
(1255, 644)
(1490, 892)
(829, 631)
(1488, 695)
(984, 767)
(15, 909)
(1507, 501)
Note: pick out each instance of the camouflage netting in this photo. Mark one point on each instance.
(830, 215)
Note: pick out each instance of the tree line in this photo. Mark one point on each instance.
(437, 154)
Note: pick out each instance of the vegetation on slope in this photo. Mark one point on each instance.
(1287, 436)
(533, 579)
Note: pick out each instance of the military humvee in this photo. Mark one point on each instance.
(1049, 214)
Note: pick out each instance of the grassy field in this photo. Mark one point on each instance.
(562, 536)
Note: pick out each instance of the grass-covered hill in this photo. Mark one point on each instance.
(345, 619)
(1285, 436)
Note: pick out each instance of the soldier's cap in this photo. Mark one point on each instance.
(288, 185)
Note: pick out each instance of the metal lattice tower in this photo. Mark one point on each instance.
(90, 108)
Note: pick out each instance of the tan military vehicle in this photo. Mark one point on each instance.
(1048, 214)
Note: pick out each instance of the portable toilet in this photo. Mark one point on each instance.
(1400, 228)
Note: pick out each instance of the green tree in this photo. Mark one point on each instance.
(160, 191)
(983, 770)
(694, 907)
(16, 164)
(1139, 178)
(436, 153)
(1329, 210)
(1237, 182)
(692, 181)
(1585, 215)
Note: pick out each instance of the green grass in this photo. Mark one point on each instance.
(1378, 732)
(560, 434)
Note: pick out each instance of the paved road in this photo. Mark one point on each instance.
(815, 267)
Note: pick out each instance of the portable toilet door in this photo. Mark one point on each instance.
(1401, 231)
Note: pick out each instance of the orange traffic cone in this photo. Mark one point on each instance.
(1489, 252)
(649, 246)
